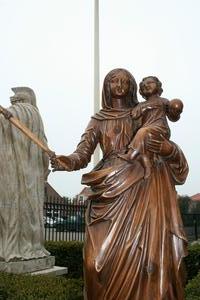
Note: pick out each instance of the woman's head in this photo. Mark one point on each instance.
(119, 83)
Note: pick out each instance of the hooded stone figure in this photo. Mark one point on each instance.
(23, 169)
(23, 95)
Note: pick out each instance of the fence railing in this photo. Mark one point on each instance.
(66, 221)
(192, 226)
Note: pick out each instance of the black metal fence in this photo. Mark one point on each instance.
(66, 221)
(192, 226)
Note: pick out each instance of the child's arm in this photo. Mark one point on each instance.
(139, 110)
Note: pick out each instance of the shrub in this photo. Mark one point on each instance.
(27, 287)
(193, 261)
(68, 254)
(192, 290)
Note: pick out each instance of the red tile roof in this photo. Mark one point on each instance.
(196, 197)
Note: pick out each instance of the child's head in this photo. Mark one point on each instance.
(150, 86)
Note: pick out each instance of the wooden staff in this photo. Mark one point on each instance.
(28, 133)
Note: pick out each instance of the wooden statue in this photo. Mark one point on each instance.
(152, 114)
(135, 241)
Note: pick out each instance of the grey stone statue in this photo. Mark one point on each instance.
(23, 168)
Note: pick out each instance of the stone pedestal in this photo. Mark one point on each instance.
(55, 271)
(28, 266)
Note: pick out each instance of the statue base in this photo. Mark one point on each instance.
(55, 271)
(28, 266)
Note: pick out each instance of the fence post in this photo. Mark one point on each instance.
(195, 227)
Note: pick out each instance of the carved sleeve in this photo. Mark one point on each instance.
(137, 112)
(89, 140)
(177, 165)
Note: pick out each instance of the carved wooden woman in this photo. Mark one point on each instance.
(135, 240)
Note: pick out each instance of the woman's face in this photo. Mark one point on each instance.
(119, 84)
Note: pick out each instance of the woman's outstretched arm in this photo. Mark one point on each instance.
(82, 155)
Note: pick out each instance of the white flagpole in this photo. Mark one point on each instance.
(96, 156)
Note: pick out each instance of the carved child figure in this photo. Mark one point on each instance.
(152, 115)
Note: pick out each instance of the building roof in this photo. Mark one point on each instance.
(51, 194)
(196, 197)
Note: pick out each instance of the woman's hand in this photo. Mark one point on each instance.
(159, 145)
(60, 163)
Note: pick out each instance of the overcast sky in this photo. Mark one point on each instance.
(48, 46)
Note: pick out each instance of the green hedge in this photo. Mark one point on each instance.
(27, 287)
(192, 290)
(68, 254)
(193, 261)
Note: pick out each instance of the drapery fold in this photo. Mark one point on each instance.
(135, 241)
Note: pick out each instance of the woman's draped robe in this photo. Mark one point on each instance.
(135, 241)
(23, 167)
